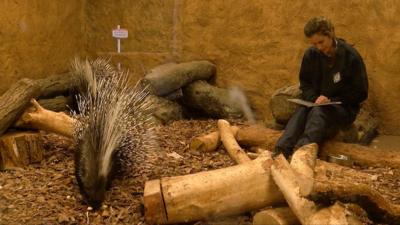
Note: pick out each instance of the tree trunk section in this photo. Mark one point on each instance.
(221, 192)
(209, 142)
(14, 101)
(20, 149)
(55, 85)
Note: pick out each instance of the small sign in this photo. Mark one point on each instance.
(120, 33)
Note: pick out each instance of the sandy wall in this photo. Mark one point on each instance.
(256, 44)
(38, 38)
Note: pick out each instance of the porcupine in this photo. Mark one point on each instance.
(113, 129)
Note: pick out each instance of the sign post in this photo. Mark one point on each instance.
(119, 34)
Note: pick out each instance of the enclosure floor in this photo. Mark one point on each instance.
(47, 193)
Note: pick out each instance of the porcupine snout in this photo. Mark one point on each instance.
(93, 185)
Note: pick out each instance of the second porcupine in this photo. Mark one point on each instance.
(113, 129)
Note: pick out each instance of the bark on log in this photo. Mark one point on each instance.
(213, 101)
(221, 192)
(332, 183)
(14, 101)
(281, 109)
(209, 142)
(275, 216)
(167, 78)
(18, 149)
(229, 141)
(57, 104)
(59, 84)
(42, 119)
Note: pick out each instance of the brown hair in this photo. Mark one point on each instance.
(319, 25)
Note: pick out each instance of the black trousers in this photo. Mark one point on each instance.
(313, 125)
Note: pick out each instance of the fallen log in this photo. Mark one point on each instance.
(55, 85)
(275, 216)
(170, 77)
(42, 119)
(14, 101)
(164, 110)
(19, 149)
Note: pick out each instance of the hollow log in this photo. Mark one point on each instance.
(19, 149)
(14, 101)
(42, 119)
(275, 216)
(170, 77)
(213, 101)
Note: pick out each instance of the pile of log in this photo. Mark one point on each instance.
(175, 88)
(264, 183)
(362, 131)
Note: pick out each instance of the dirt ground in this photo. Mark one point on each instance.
(47, 193)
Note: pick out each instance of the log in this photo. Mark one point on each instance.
(212, 101)
(334, 182)
(275, 216)
(209, 142)
(42, 119)
(55, 85)
(14, 101)
(169, 77)
(361, 155)
(306, 211)
(281, 109)
(57, 104)
(221, 192)
(19, 149)
(229, 141)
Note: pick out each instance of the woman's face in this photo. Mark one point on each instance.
(324, 43)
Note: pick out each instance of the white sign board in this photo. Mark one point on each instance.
(120, 33)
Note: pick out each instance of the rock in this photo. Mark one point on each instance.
(212, 101)
(281, 109)
(362, 131)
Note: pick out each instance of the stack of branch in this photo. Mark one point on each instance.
(253, 185)
(17, 149)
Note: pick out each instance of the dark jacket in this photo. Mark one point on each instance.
(345, 81)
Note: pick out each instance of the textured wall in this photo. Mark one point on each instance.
(256, 44)
(38, 38)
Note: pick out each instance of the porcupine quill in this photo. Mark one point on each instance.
(113, 131)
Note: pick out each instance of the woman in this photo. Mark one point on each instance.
(331, 70)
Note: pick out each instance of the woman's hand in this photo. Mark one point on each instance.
(322, 99)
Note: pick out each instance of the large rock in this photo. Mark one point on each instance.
(362, 131)
(212, 101)
(164, 110)
(281, 109)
